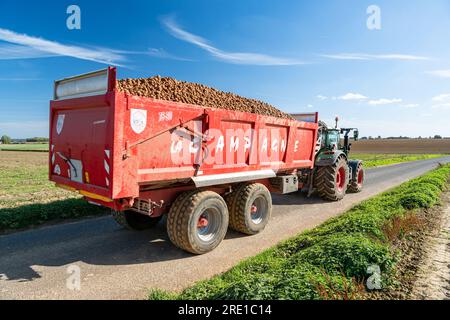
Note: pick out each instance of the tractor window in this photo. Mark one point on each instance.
(333, 139)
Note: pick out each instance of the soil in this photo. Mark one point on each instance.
(402, 146)
(165, 88)
(433, 276)
(423, 268)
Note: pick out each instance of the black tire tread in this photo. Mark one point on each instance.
(179, 216)
(236, 202)
(353, 187)
(325, 180)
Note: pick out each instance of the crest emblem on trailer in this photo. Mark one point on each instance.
(138, 120)
(60, 123)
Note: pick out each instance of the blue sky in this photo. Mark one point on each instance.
(300, 56)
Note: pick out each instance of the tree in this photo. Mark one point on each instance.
(437, 137)
(37, 139)
(5, 139)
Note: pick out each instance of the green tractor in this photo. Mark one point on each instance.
(334, 174)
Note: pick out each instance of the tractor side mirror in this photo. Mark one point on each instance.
(355, 135)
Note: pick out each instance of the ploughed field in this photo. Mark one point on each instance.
(165, 88)
(402, 146)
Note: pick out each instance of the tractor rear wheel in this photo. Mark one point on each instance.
(250, 207)
(197, 221)
(331, 181)
(356, 184)
(134, 221)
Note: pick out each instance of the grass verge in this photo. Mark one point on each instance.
(30, 147)
(27, 198)
(332, 260)
(382, 159)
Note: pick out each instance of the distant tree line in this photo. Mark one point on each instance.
(5, 139)
(37, 139)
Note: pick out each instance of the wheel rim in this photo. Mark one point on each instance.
(340, 178)
(360, 177)
(208, 224)
(258, 210)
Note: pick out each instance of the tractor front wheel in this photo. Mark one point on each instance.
(331, 181)
(356, 185)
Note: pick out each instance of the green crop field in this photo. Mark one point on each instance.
(28, 198)
(37, 147)
(381, 159)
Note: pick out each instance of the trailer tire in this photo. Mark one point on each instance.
(250, 207)
(198, 221)
(331, 182)
(134, 221)
(356, 184)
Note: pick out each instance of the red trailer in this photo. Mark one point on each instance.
(206, 168)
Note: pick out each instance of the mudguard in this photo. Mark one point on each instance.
(353, 165)
(324, 160)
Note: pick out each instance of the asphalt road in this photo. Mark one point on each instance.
(116, 264)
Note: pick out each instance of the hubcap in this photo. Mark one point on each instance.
(340, 178)
(208, 224)
(360, 177)
(258, 210)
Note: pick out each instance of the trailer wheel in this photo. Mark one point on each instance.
(197, 221)
(134, 221)
(356, 185)
(332, 181)
(250, 207)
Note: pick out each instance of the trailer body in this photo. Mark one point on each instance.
(117, 149)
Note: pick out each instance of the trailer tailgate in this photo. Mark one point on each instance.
(81, 134)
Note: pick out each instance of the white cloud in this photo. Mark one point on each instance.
(441, 97)
(352, 96)
(410, 105)
(321, 97)
(440, 73)
(12, 51)
(441, 106)
(309, 106)
(365, 56)
(384, 101)
(442, 102)
(32, 47)
(161, 53)
(230, 57)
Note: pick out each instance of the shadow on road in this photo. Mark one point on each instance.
(22, 216)
(96, 241)
(297, 198)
